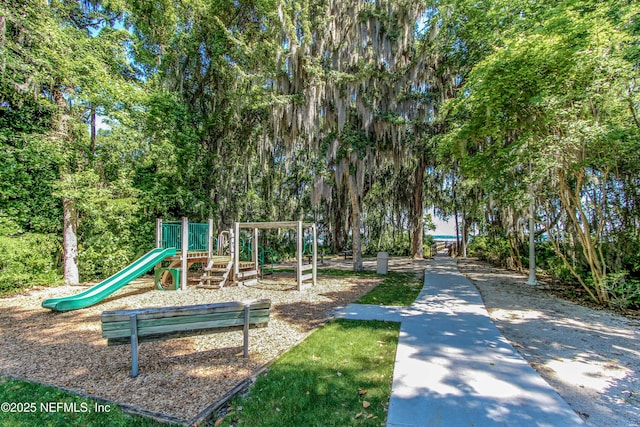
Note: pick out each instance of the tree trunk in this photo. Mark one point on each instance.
(466, 224)
(457, 246)
(356, 245)
(3, 30)
(455, 213)
(417, 236)
(92, 134)
(70, 215)
(571, 199)
(337, 231)
(70, 242)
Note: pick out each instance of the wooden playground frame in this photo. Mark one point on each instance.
(186, 257)
(300, 227)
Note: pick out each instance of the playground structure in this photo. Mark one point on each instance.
(301, 276)
(181, 244)
(222, 261)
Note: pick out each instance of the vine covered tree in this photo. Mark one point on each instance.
(358, 115)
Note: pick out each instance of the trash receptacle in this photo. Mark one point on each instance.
(382, 265)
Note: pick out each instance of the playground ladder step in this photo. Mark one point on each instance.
(307, 277)
(247, 273)
(211, 280)
(208, 286)
(249, 282)
(216, 270)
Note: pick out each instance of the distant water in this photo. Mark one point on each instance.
(441, 237)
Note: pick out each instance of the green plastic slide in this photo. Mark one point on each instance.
(105, 288)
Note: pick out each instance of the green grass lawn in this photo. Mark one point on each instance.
(397, 289)
(334, 272)
(26, 404)
(339, 376)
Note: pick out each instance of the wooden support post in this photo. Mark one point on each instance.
(247, 306)
(158, 237)
(255, 250)
(314, 271)
(299, 256)
(236, 251)
(133, 324)
(158, 232)
(185, 250)
(210, 239)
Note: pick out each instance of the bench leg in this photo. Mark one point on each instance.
(133, 322)
(246, 331)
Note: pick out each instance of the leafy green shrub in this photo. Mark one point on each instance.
(401, 246)
(624, 292)
(27, 258)
(428, 241)
(548, 261)
(281, 246)
(101, 260)
(623, 251)
(490, 249)
(113, 235)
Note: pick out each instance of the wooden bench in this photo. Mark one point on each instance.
(153, 324)
(346, 254)
(319, 257)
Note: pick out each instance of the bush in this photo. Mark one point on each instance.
(112, 237)
(624, 292)
(401, 246)
(98, 261)
(548, 261)
(27, 258)
(624, 253)
(493, 250)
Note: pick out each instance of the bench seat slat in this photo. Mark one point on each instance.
(188, 310)
(160, 323)
(175, 327)
(183, 334)
(143, 323)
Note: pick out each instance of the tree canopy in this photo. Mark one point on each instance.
(367, 117)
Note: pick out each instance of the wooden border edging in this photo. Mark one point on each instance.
(205, 414)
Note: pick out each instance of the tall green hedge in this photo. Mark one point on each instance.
(26, 258)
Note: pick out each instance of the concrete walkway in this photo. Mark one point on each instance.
(454, 368)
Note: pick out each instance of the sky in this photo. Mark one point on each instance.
(444, 227)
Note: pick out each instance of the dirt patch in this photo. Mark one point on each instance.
(591, 357)
(179, 377)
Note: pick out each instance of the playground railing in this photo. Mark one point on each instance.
(172, 235)
(198, 236)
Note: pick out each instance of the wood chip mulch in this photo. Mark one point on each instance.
(178, 378)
